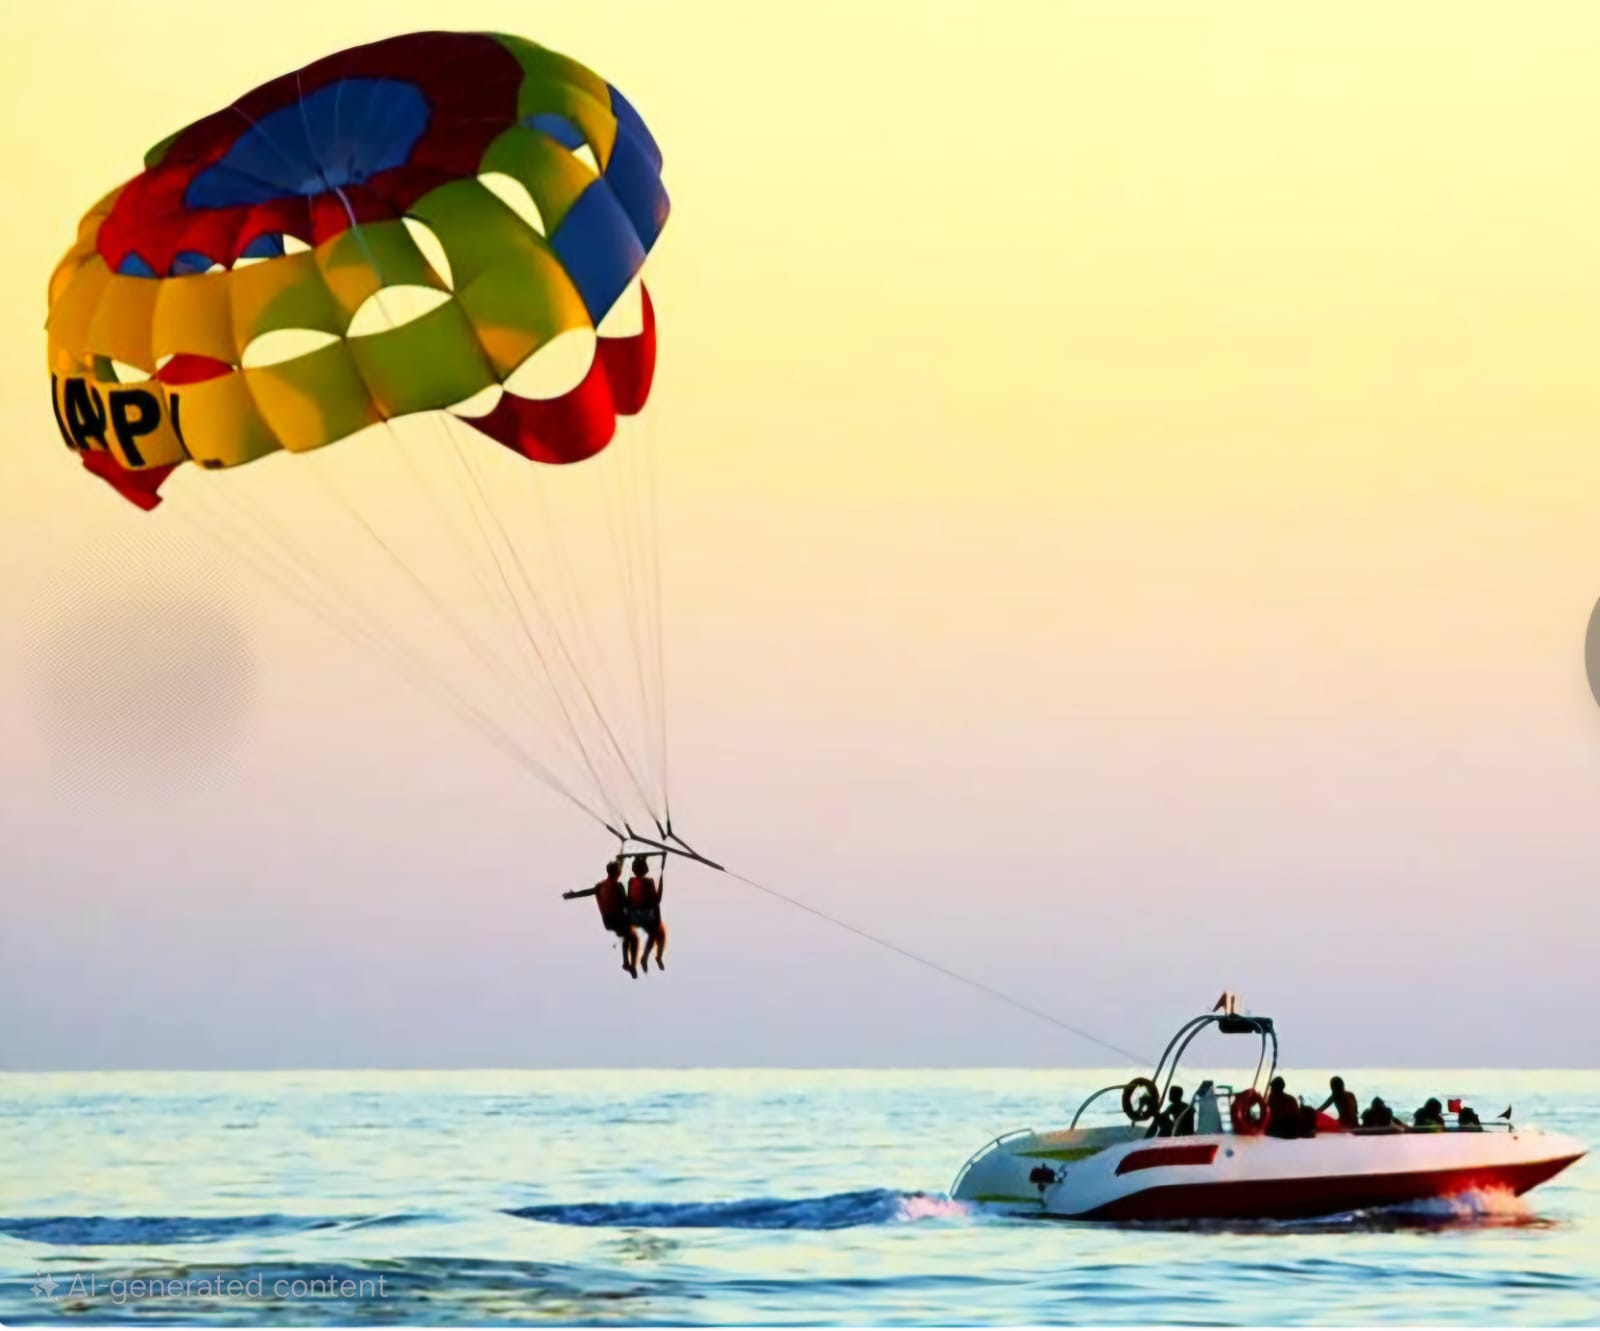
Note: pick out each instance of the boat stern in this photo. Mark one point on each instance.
(1017, 1170)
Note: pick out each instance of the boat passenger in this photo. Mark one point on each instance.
(1207, 1113)
(1430, 1118)
(1283, 1111)
(1176, 1118)
(1468, 1121)
(1343, 1104)
(1377, 1114)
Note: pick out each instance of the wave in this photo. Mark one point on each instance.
(1488, 1208)
(887, 1206)
(1483, 1204)
(411, 1291)
(89, 1231)
(840, 1210)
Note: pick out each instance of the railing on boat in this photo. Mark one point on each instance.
(983, 1151)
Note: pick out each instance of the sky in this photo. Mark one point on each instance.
(1128, 490)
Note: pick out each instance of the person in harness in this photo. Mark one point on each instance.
(612, 898)
(644, 911)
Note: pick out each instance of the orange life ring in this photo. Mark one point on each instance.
(1249, 1113)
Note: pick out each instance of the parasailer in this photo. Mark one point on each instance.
(371, 301)
(644, 907)
(433, 230)
(612, 899)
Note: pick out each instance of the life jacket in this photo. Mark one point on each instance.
(642, 893)
(609, 897)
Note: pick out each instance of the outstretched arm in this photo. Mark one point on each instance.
(586, 892)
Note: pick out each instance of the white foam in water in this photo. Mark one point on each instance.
(926, 1206)
(1483, 1204)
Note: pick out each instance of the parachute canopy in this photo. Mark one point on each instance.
(307, 198)
(363, 253)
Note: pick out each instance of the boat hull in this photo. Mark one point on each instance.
(1227, 1177)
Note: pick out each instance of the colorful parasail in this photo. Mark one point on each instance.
(294, 206)
(418, 227)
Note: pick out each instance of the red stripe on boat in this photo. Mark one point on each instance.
(1161, 1156)
(1297, 1198)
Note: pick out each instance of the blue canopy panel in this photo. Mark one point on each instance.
(558, 127)
(634, 177)
(599, 247)
(342, 134)
(631, 122)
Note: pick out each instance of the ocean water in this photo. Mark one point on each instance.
(700, 1197)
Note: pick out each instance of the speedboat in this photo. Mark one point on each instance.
(1227, 1160)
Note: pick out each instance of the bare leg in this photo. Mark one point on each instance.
(630, 953)
(658, 941)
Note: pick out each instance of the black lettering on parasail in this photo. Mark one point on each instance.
(83, 419)
(134, 412)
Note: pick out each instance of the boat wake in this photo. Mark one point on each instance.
(1488, 1207)
(1488, 1203)
(887, 1206)
(841, 1210)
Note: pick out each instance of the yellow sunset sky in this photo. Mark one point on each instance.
(1131, 507)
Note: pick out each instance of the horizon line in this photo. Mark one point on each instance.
(727, 1067)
